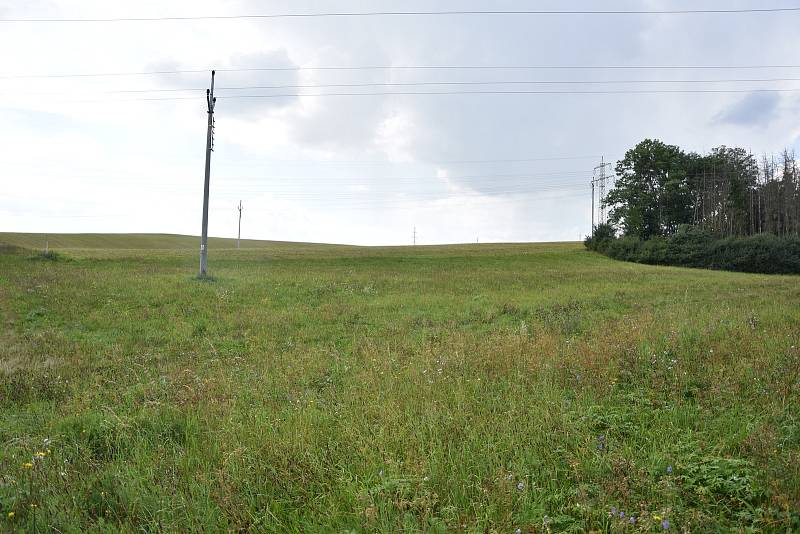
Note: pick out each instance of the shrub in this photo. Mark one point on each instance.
(602, 235)
(695, 247)
(626, 248)
(689, 247)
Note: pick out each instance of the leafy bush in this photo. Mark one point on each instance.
(689, 246)
(602, 235)
(695, 247)
(625, 248)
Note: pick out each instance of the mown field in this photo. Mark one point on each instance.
(317, 388)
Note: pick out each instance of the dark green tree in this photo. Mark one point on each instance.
(652, 195)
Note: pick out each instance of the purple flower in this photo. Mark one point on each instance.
(601, 437)
(665, 524)
(613, 510)
(622, 515)
(669, 469)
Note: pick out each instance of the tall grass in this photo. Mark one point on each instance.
(438, 389)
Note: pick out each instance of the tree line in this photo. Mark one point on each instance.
(723, 210)
(727, 192)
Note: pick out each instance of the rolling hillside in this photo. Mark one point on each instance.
(315, 388)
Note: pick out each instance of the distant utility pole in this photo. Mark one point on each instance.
(592, 205)
(414, 238)
(239, 235)
(599, 176)
(210, 100)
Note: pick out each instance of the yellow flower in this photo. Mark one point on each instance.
(27, 465)
(11, 515)
(34, 505)
(40, 454)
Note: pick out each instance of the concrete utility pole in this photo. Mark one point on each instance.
(239, 235)
(210, 100)
(414, 239)
(592, 205)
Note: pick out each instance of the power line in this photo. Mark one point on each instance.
(520, 92)
(415, 84)
(402, 67)
(451, 93)
(348, 14)
(288, 185)
(501, 82)
(237, 162)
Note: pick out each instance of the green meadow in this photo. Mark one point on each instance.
(320, 388)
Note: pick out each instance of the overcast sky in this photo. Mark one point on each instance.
(78, 155)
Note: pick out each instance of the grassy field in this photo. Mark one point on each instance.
(316, 388)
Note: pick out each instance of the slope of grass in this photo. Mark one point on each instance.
(312, 388)
(132, 242)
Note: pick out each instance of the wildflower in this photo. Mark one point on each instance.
(665, 524)
(27, 465)
(613, 510)
(34, 505)
(622, 515)
(521, 486)
(632, 520)
(601, 437)
(39, 455)
(669, 469)
(518, 531)
(46, 442)
(380, 473)
(11, 515)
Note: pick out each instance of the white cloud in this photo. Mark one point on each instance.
(353, 169)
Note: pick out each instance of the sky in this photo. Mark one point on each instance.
(125, 153)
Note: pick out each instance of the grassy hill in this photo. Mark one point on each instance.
(125, 241)
(320, 388)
